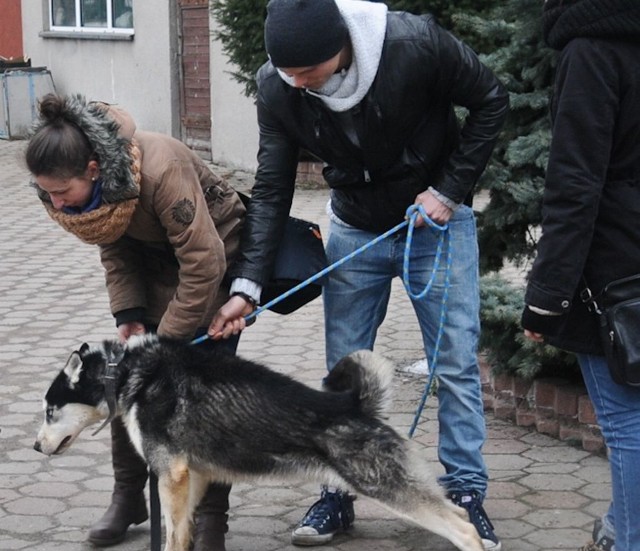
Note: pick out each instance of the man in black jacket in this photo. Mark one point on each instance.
(372, 93)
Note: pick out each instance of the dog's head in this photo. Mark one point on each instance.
(75, 400)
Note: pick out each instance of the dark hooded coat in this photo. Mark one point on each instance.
(591, 207)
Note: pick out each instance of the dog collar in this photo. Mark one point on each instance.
(109, 381)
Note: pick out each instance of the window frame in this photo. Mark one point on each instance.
(79, 31)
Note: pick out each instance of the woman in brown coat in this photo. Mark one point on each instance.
(167, 228)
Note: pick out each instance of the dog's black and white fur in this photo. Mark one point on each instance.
(198, 415)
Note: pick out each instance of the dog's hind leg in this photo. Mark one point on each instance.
(438, 515)
(384, 466)
(174, 489)
(409, 490)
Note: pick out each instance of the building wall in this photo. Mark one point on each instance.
(10, 29)
(142, 75)
(139, 74)
(234, 128)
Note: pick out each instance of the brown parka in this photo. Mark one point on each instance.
(167, 226)
(168, 267)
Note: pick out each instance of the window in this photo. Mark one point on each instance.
(100, 16)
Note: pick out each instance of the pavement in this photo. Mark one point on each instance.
(543, 493)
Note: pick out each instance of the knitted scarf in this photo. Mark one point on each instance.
(564, 20)
(108, 222)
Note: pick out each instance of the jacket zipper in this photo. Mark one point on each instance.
(316, 131)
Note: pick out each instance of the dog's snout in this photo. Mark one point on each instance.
(37, 446)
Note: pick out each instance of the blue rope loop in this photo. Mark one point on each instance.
(444, 238)
(411, 217)
(413, 212)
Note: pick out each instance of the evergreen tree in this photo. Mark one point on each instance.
(515, 176)
(512, 37)
(241, 33)
(447, 13)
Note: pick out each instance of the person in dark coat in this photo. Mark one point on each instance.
(591, 223)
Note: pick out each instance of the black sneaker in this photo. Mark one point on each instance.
(473, 504)
(600, 542)
(327, 516)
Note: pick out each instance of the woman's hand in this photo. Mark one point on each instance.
(230, 319)
(128, 329)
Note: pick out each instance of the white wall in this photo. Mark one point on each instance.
(234, 128)
(140, 74)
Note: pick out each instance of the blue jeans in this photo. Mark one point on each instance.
(617, 408)
(355, 301)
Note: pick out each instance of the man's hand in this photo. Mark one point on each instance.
(435, 209)
(229, 320)
(128, 329)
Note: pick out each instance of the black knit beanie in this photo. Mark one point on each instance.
(302, 33)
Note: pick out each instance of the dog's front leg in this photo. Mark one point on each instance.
(173, 487)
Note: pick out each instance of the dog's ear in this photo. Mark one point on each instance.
(73, 367)
(83, 349)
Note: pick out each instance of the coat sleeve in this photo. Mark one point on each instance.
(182, 210)
(470, 84)
(124, 277)
(271, 197)
(585, 110)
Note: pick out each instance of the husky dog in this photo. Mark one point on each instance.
(198, 415)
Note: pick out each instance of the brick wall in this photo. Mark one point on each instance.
(553, 406)
(310, 172)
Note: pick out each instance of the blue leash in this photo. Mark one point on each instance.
(412, 215)
(315, 277)
(417, 296)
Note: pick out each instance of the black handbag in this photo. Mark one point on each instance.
(300, 256)
(618, 309)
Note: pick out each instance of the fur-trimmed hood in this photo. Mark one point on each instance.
(110, 131)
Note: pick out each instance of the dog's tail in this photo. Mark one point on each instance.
(368, 376)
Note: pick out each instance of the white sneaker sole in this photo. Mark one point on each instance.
(491, 545)
(309, 540)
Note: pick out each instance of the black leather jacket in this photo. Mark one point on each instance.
(406, 128)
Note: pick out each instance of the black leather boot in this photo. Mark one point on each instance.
(210, 519)
(128, 504)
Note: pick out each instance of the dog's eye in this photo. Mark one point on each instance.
(49, 414)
